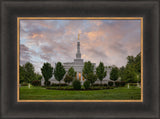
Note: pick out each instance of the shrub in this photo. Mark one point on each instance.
(100, 84)
(122, 83)
(105, 84)
(76, 84)
(117, 83)
(47, 83)
(61, 84)
(36, 83)
(86, 84)
(24, 84)
(133, 84)
(110, 83)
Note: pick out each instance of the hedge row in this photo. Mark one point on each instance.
(61, 84)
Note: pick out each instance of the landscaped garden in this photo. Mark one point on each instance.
(124, 83)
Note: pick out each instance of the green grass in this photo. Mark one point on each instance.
(40, 93)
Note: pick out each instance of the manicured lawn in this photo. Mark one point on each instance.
(40, 93)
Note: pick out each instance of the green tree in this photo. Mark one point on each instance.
(92, 78)
(29, 69)
(87, 69)
(71, 72)
(130, 59)
(68, 79)
(121, 72)
(133, 68)
(130, 75)
(47, 72)
(59, 72)
(38, 76)
(114, 73)
(22, 74)
(138, 63)
(100, 72)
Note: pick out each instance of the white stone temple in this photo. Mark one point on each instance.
(78, 64)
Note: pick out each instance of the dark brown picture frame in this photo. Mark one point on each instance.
(148, 9)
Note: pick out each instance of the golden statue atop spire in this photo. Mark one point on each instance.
(78, 35)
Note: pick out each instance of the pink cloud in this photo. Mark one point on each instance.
(108, 41)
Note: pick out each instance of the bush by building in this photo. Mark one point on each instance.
(86, 84)
(117, 83)
(110, 83)
(47, 83)
(61, 84)
(36, 83)
(100, 84)
(122, 83)
(76, 84)
(133, 84)
(24, 84)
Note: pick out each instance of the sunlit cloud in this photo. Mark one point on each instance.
(109, 41)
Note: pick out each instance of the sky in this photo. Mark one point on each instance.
(108, 41)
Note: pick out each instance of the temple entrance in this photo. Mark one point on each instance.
(79, 76)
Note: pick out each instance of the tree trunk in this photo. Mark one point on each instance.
(59, 84)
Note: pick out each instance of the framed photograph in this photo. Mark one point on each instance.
(80, 59)
(46, 46)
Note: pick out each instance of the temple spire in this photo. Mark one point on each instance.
(78, 54)
(78, 36)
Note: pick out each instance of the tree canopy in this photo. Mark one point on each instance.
(87, 69)
(68, 79)
(59, 72)
(92, 78)
(71, 72)
(22, 74)
(29, 69)
(100, 72)
(132, 71)
(47, 71)
(114, 74)
(27, 73)
(130, 75)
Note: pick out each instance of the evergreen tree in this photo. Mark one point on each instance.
(100, 72)
(92, 78)
(114, 73)
(59, 72)
(121, 72)
(133, 69)
(130, 75)
(29, 72)
(138, 63)
(22, 74)
(87, 69)
(47, 72)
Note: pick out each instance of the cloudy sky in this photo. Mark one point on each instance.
(109, 41)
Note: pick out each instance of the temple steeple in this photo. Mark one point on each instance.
(78, 54)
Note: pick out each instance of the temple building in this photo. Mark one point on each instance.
(78, 65)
